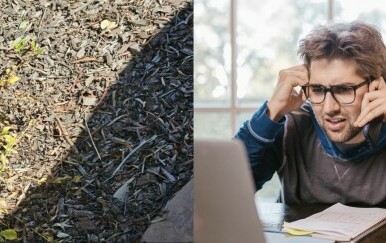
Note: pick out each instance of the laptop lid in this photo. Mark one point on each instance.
(224, 207)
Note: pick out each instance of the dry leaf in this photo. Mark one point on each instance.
(62, 235)
(89, 100)
(109, 25)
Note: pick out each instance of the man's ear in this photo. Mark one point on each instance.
(384, 77)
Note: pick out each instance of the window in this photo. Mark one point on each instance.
(240, 46)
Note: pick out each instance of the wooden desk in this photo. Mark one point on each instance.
(272, 216)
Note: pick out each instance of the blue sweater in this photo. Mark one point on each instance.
(263, 139)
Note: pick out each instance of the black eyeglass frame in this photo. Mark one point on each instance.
(332, 90)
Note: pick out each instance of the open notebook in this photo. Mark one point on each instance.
(340, 223)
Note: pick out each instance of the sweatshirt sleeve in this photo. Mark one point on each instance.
(262, 138)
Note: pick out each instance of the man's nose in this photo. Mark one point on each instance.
(330, 104)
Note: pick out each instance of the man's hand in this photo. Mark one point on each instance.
(373, 103)
(285, 98)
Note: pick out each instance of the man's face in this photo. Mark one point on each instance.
(337, 119)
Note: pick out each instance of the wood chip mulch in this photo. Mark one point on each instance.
(103, 117)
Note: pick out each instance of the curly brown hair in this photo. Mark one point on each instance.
(356, 41)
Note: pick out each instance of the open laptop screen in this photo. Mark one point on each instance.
(224, 207)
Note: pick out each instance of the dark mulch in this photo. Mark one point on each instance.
(99, 110)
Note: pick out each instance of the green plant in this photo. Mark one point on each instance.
(35, 49)
(27, 50)
(8, 234)
(7, 142)
(27, 46)
(19, 45)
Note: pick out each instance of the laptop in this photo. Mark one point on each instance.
(224, 206)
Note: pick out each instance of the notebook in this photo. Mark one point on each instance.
(224, 206)
(340, 223)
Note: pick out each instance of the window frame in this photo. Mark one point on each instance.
(234, 107)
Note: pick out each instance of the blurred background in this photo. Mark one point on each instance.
(239, 48)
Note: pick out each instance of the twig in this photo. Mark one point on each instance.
(22, 196)
(37, 69)
(136, 221)
(113, 96)
(62, 131)
(54, 76)
(92, 140)
(24, 237)
(86, 59)
(117, 118)
(104, 92)
(85, 138)
(41, 19)
(130, 154)
(30, 124)
(82, 7)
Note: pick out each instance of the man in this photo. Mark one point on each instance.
(331, 148)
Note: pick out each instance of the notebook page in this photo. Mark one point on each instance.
(341, 220)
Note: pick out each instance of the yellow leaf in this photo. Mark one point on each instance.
(9, 234)
(42, 180)
(10, 140)
(5, 130)
(13, 79)
(60, 180)
(4, 162)
(76, 179)
(8, 137)
(3, 206)
(8, 148)
(106, 24)
(48, 237)
(39, 181)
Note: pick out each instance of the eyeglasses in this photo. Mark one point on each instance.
(343, 94)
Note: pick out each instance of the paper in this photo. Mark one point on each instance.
(295, 231)
(339, 222)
